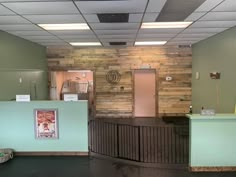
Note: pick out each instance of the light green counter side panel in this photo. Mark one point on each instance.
(212, 141)
(18, 132)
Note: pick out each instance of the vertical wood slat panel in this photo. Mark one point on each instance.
(150, 144)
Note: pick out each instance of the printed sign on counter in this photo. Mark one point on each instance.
(22, 98)
(70, 97)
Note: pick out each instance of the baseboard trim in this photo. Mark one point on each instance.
(212, 169)
(43, 153)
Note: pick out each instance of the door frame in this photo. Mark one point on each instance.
(156, 92)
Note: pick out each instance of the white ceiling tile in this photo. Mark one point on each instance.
(55, 18)
(155, 5)
(51, 37)
(150, 17)
(13, 19)
(114, 26)
(198, 35)
(195, 16)
(29, 0)
(128, 36)
(30, 33)
(68, 37)
(115, 31)
(19, 27)
(71, 32)
(82, 40)
(186, 39)
(208, 5)
(213, 24)
(219, 16)
(180, 42)
(5, 11)
(55, 44)
(133, 18)
(91, 18)
(204, 30)
(227, 5)
(45, 40)
(152, 39)
(156, 35)
(27, 8)
(160, 30)
(133, 6)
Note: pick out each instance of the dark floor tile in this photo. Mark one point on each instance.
(89, 167)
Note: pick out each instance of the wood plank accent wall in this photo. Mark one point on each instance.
(174, 97)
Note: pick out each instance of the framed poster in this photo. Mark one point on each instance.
(46, 123)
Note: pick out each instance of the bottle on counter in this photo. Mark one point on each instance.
(202, 110)
(190, 109)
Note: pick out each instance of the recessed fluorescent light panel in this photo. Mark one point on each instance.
(66, 26)
(85, 43)
(150, 43)
(166, 25)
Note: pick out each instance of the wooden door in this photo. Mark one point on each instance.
(145, 93)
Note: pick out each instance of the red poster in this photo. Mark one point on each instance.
(46, 123)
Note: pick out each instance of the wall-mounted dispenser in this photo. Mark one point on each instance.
(215, 75)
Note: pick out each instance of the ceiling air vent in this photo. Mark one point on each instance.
(114, 18)
(184, 46)
(178, 10)
(117, 43)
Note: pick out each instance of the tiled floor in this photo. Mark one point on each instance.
(89, 167)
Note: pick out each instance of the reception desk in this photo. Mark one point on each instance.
(17, 120)
(212, 142)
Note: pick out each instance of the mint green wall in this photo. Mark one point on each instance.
(17, 126)
(217, 53)
(20, 58)
(212, 141)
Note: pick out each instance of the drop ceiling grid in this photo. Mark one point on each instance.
(226, 6)
(5, 11)
(107, 36)
(55, 19)
(69, 37)
(91, 7)
(202, 19)
(12, 19)
(42, 8)
(212, 17)
(37, 8)
(30, 33)
(219, 16)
